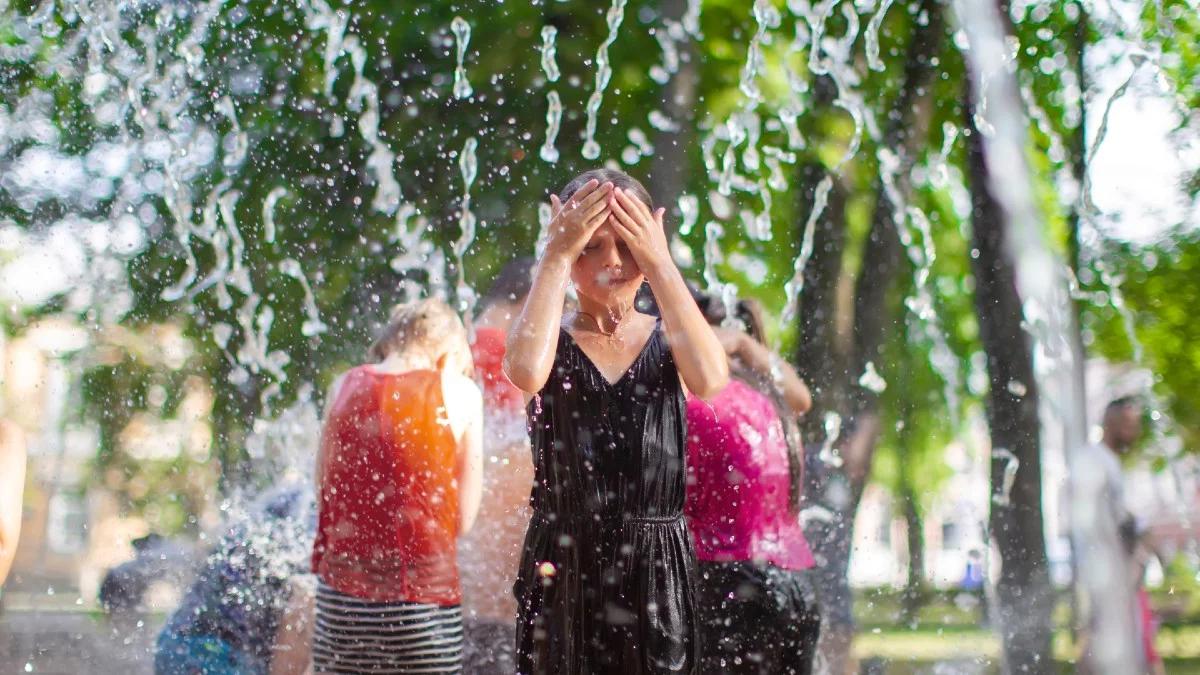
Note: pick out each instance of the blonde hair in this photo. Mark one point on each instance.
(423, 323)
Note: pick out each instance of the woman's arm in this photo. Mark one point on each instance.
(466, 401)
(12, 492)
(779, 373)
(698, 353)
(291, 652)
(532, 341)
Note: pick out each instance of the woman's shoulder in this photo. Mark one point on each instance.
(458, 389)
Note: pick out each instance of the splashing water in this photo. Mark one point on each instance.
(312, 325)
(614, 17)
(554, 111)
(922, 255)
(549, 51)
(462, 37)
(667, 37)
(795, 285)
(832, 426)
(713, 257)
(268, 212)
(554, 108)
(871, 379)
(468, 168)
(1003, 497)
(689, 210)
(871, 36)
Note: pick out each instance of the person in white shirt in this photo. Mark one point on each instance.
(1122, 428)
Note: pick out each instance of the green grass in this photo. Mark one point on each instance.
(948, 629)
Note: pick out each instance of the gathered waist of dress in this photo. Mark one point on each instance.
(600, 518)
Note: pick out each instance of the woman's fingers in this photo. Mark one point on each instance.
(582, 193)
(633, 206)
(596, 194)
(600, 206)
(622, 215)
(592, 224)
(658, 216)
(555, 206)
(625, 233)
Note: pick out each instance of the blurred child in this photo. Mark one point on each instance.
(488, 555)
(398, 480)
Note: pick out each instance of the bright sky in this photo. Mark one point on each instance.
(1138, 173)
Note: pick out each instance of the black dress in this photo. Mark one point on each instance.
(607, 577)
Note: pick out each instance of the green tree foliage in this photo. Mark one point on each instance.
(269, 76)
(1162, 281)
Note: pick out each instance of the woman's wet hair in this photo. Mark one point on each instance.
(746, 311)
(421, 322)
(617, 178)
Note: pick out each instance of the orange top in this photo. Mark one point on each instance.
(389, 506)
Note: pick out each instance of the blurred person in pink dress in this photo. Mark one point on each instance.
(745, 474)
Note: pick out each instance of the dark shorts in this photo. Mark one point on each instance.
(756, 619)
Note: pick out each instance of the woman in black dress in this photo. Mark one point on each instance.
(606, 582)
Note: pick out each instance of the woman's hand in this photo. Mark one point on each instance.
(573, 223)
(533, 337)
(732, 340)
(699, 356)
(642, 230)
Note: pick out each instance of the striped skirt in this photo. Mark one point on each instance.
(359, 636)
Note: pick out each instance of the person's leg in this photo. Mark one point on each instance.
(292, 651)
(489, 647)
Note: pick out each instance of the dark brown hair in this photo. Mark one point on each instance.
(617, 178)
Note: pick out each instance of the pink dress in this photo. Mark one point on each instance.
(738, 482)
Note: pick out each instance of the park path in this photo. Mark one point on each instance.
(75, 642)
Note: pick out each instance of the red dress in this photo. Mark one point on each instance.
(389, 505)
(488, 555)
(498, 392)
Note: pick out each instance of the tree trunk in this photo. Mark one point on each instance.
(914, 588)
(820, 358)
(1023, 592)
(668, 178)
(905, 131)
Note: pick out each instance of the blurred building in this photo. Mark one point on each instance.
(77, 522)
(1162, 487)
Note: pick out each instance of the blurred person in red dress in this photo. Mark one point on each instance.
(489, 554)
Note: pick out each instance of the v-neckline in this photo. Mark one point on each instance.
(628, 369)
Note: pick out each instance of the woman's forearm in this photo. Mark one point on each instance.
(532, 341)
(755, 356)
(698, 354)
